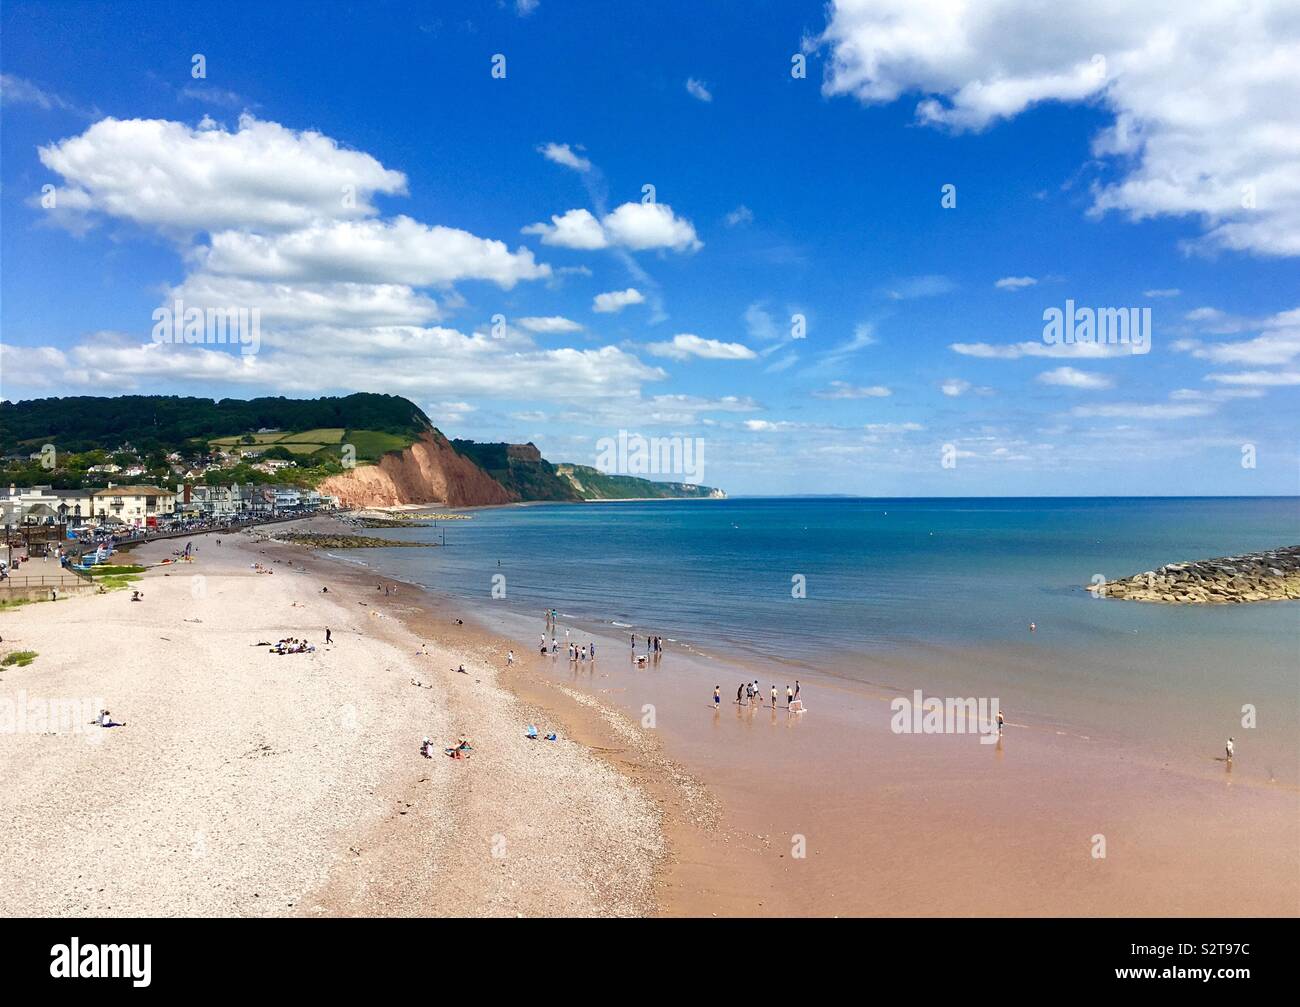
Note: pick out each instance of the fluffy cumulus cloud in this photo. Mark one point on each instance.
(614, 301)
(1202, 96)
(634, 226)
(401, 251)
(686, 345)
(414, 361)
(283, 222)
(180, 178)
(550, 324)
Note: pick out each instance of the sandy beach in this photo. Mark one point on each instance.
(248, 784)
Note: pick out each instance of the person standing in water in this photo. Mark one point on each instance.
(1229, 748)
(739, 692)
(1001, 720)
(773, 695)
(789, 697)
(796, 688)
(717, 696)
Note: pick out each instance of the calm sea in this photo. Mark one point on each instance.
(886, 583)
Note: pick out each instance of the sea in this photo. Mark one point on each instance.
(870, 590)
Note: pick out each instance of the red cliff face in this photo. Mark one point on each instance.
(429, 471)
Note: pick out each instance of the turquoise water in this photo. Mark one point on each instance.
(879, 574)
(948, 584)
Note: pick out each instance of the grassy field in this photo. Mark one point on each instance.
(370, 445)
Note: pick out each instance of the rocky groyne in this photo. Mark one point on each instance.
(1273, 575)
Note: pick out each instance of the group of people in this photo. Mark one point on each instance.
(751, 694)
(586, 651)
(292, 645)
(653, 644)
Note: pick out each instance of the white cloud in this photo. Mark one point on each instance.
(913, 287)
(614, 301)
(1069, 377)
(1143, 411)
(1014, 351)
(740, 215)
(1203, 96)
(864, 335)
(550, 324)
(1277, 344)
(760, 325)
(572, 229)
(650, 225)
(1265, 379)
(635, 226)
(686, 345)
(525, 7)
(1015, 282)
(371, 251)
(351, 304)
(1162, 292)
(844, 390)
(167, 175)
(698, 89)
(18, 91)
(562, 153)
(379, 359)
(953, 387)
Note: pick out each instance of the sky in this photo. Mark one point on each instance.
(818, 242)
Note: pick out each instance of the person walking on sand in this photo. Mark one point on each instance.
(717, 696)
(1229, 748)
(739, 691)
(328, 638)
(510, 658)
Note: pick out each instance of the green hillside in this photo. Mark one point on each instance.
(592, 484)
(519, 467)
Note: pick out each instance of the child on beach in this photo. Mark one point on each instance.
(717, 696)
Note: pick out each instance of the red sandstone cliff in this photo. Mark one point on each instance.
(429, 471)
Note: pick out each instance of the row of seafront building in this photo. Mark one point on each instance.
(142, 506)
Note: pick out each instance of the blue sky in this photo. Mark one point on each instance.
(1114, 161)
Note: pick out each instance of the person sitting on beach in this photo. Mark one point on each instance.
(426, 748)
(136, 596)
